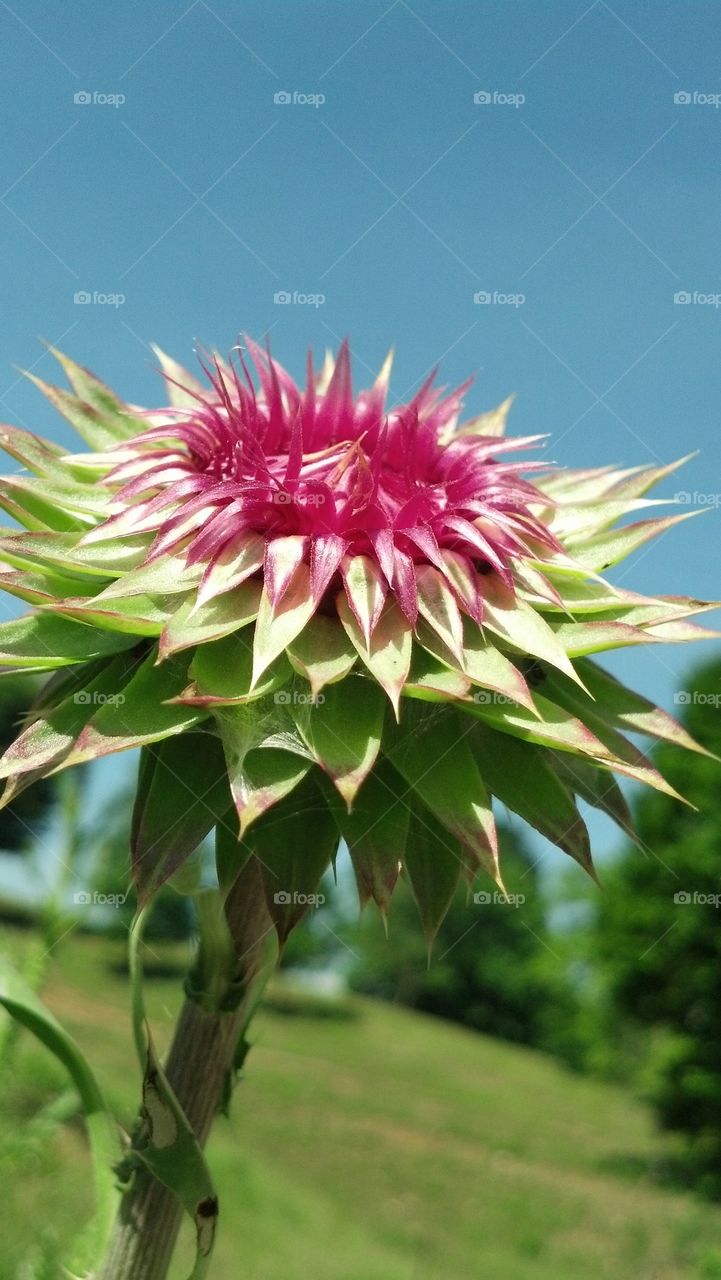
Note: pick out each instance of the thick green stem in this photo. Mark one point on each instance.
(199, 1067)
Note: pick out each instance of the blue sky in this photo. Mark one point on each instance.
(581, 187)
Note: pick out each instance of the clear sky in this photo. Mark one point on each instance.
(581, 189)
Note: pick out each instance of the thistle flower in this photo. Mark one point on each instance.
(321, 619)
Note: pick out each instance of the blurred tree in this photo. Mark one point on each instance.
(492, 968)
(657, 937)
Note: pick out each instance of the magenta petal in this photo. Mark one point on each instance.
(282, 557)
(384, 548)
(404, 585)
(327, 551)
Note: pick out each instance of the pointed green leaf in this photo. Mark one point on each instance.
(680, 632)
(581, 638)
(577, 521)
(619, 754)
(490, 423)
(433, 862)
(553, 726)
(484, 665)
(521, 626)
(45, 641)
(186, 795)
(521, 777)
(65, 497)
(596, 786)
(294, 844)
(40, 456)
(231, 853)
(606, 549)
(437, 605)
(33, 511)
(584, 597)
(663, 609)
(278, 627)
(430, 751)
(265, 757)
(375, 832)
(322, 652)
(144, 715)
(365, 591)
(431, 680)
(60, 550)
(41, 588)
(191, 626)
(176, 379)
(388, 656)
(239, 558)
(342, 729)
(95, 411)
(45, 743)
(622, 708)
(222, 673)
(137, 616)
(168, 575)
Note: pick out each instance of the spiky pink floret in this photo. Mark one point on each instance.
(276, 476)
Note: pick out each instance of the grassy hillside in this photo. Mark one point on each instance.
(385, 1146)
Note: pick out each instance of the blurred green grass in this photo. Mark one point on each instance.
(386, 1146)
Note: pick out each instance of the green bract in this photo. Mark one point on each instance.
(322, 621)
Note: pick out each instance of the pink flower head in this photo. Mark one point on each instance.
(374, 501)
